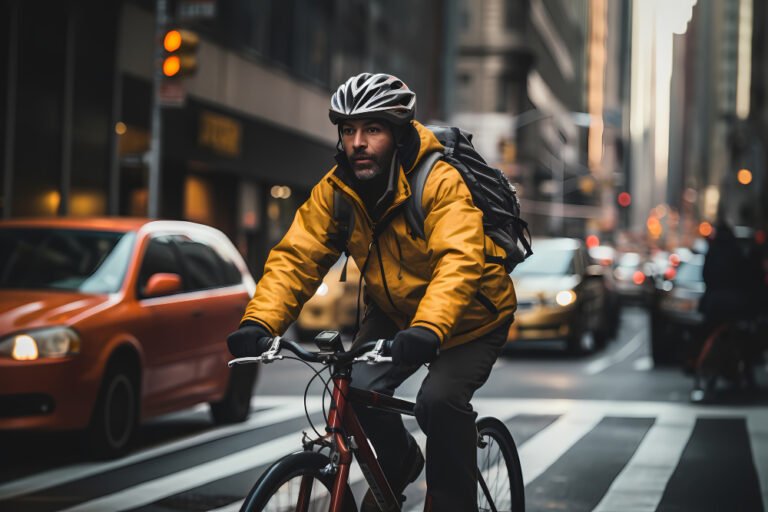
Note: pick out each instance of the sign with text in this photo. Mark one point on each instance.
(220, 133)
(172, 93)
(196, 9)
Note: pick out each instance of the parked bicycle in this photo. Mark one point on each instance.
(318, 477)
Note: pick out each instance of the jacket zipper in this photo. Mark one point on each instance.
(391, 211)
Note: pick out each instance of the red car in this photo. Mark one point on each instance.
(107, 322)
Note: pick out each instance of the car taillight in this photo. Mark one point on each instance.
(638, 277)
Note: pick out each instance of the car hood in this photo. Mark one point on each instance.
(25, 309)
(532, 286)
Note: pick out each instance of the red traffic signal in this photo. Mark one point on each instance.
(180, 53)
(624, 199)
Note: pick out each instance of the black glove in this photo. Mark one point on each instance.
(250, 340)
(415, 346)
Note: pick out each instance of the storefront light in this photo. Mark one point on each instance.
(281, 192)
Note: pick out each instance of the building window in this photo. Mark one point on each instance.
(464, 92)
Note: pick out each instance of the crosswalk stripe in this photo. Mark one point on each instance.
(758, 435)
(67, 474)
(543, 449)
(648, 468)
(355, 476)
(640, 485)
(153, 490)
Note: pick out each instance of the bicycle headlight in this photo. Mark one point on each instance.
(50, 342)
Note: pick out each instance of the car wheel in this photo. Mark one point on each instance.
(601, 338)
(235, 406)
(575, 341)
(115, 417)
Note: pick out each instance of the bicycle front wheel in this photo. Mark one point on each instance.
(500, 477)
(295, 483)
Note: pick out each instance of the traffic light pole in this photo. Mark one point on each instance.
(155, 146)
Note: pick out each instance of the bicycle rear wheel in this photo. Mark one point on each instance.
(295, 483)
(500, 477)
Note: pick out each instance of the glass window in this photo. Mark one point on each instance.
(64, 259)
(159, 257)
(552, 262)
(205, 269)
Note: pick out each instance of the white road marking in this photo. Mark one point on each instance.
(283, 411)
(643, 364)
(355, 476)
(758, 437)
(620, 355)
(641, 484)
(578, 418)
(543, 449)
(153, 490)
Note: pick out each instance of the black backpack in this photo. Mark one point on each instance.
(491, 192)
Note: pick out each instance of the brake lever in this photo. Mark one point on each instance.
(374, 356)
(267, 357)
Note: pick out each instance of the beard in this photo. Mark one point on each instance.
(368, 166)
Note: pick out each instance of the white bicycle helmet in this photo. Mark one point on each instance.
(370, 95)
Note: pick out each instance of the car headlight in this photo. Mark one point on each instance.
(565, 297)
(39, 343)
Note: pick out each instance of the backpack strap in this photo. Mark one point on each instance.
(344, 218)
(414, 212)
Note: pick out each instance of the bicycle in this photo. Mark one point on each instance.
(312, 480)
(729, 352)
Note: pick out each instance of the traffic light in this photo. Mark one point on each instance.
(180, 57)
(624, 199)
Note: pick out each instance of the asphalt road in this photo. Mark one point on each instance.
(604, 431)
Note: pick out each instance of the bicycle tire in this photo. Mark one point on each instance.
(495, 434)
(270, 486)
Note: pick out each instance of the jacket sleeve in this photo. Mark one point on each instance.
(455, 239)
(297, 264)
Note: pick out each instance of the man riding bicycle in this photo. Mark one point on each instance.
(443, 299)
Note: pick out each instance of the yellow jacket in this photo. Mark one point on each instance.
(443, 283)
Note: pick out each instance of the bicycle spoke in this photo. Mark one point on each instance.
(302, 493)
(494, 488)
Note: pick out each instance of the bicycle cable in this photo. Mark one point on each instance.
(306, 393)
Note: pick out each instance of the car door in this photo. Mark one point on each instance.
(168, 331)
(220, 299)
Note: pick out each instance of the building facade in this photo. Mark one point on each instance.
(251, 135)
(541, 84)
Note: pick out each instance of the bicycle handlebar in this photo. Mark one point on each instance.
(369, 352)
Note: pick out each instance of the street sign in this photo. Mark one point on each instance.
(196, 9)
(172, 93)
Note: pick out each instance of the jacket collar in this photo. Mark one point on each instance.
(398, 189)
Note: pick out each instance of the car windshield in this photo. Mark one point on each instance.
(64, 259)
(546, 262)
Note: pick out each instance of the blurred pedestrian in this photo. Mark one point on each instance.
(730, 303)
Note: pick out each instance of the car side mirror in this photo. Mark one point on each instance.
(162, 284)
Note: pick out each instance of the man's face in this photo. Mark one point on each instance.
(369, 145)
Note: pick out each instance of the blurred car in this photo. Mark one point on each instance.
(560, 295)
(605, 256)
(107, 322)
(675, 317)
(634, 278)
(333, 307)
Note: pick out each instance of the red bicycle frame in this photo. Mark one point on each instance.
(349, 438)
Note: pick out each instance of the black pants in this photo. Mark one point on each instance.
(443, 412)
